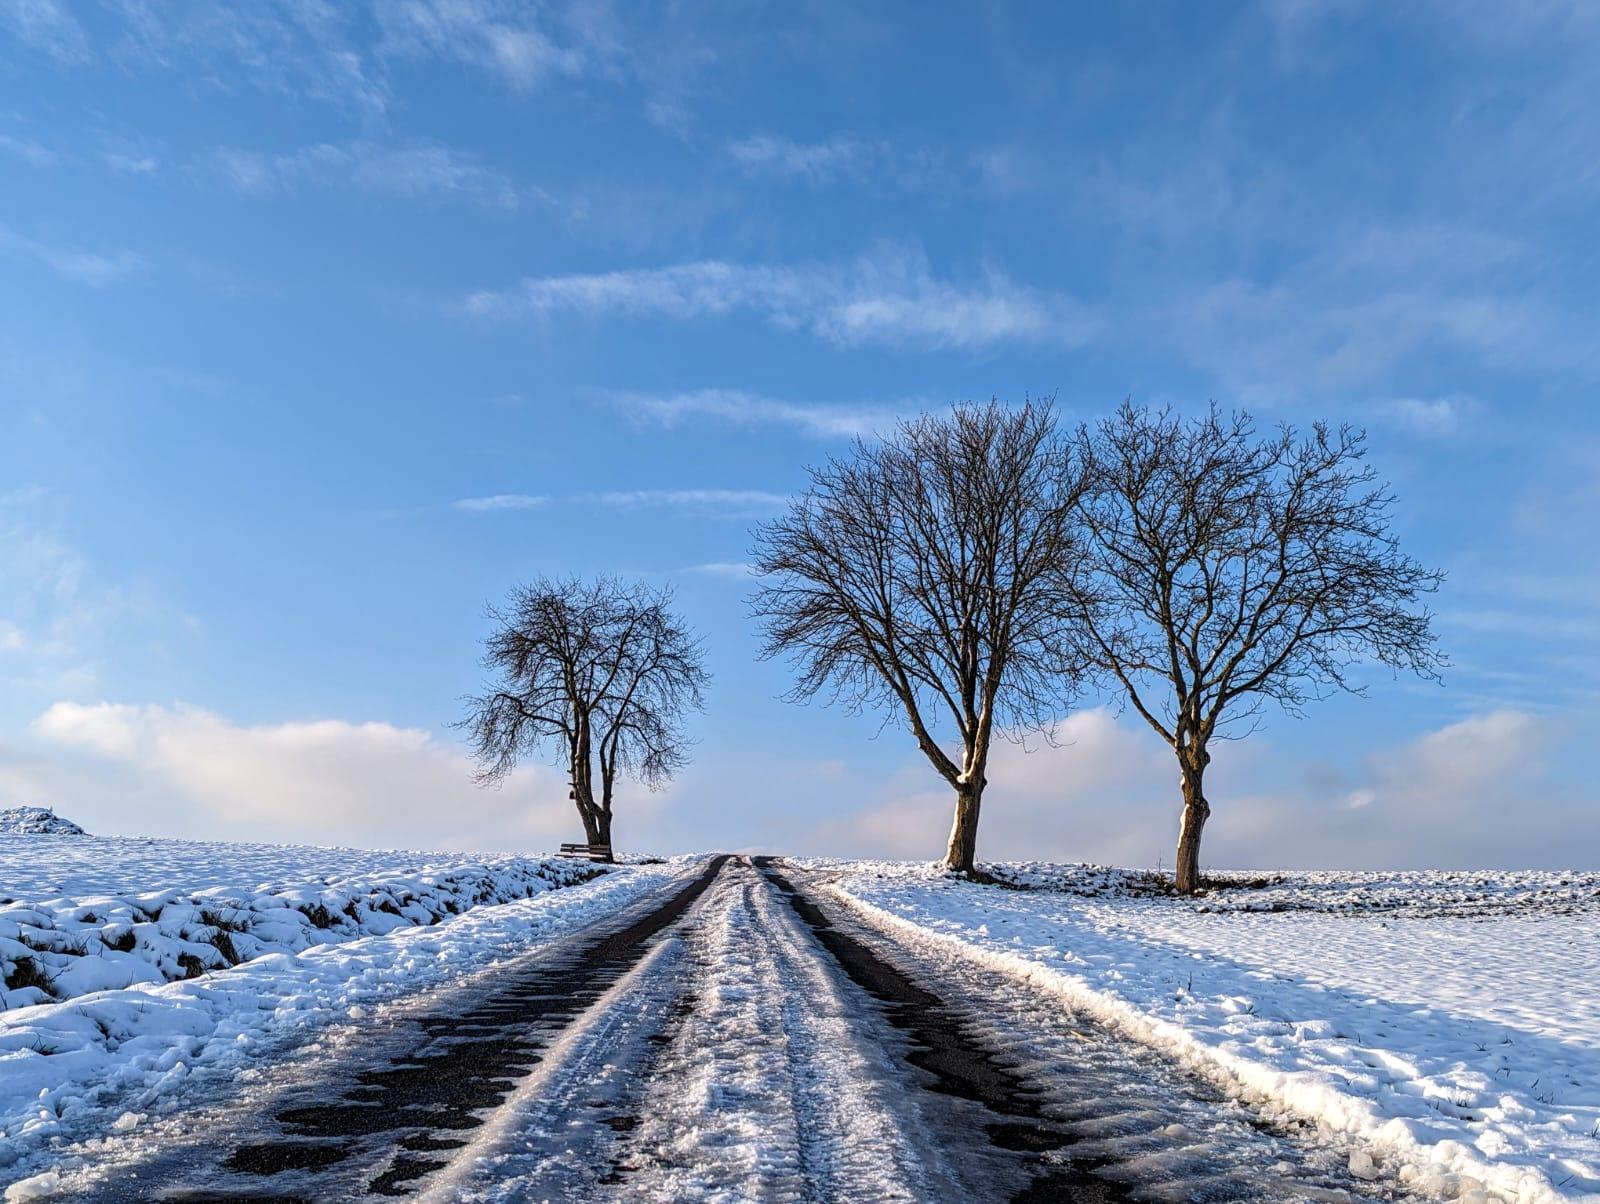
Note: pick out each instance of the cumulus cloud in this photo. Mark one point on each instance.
(889, 297)
(1460, 760)
(322, 781)
(738, 408)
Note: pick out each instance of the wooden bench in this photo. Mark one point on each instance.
(594, 852)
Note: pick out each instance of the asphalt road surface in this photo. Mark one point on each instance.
(734, 1037)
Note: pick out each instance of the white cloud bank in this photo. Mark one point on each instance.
(1473, 793)
(318, 782)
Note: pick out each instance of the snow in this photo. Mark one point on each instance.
(771, 1089)
(80, 914)
(748, 1070)
(36, 821)
(1444, 1023)
(107, 1060)
(35, 1187)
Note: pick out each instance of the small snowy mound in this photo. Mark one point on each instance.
(36, 821)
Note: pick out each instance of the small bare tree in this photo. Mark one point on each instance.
(1232, 570)
(603, 672)
(924, 574)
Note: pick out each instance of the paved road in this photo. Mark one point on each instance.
(735, 1037)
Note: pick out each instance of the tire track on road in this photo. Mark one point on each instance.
(381, 1126)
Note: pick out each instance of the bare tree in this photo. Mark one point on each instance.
(923, 574)
(1232, 570)
(603, 672)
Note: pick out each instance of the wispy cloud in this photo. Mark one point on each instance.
(889, 297)
(724, 502)
(812, 162)
(1369, 304)
(408, 171)
(504, 39)
(58, 616)
(734, 503)
(28, 150)
(46, 25)
(738, 408)
(730, 570)
(289, 47)
(73, 263)
(872, 163)
(130, 157)
(499, 501)
(1431, 417)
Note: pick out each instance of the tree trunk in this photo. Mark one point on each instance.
(602, 829)
(591, 825)
(582, 795)
(963, 848)
(1195, 813)
(602, 814)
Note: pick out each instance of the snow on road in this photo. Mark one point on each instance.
(727, 1066)
(778, 1085)
(1448, 1028)
(70, 1069)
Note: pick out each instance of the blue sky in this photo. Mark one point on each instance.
(322, 324)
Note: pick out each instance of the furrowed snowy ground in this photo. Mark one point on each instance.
(1449, 1024)
(388, 926)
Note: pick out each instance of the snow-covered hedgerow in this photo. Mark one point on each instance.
(117, 1061)
(1450, 1040)
(81, 940)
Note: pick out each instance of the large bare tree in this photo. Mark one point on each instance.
(923, 574)
(600, 672)
(1233, 570)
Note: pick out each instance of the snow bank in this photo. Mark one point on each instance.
(36, 821)
(109, 1060)
(149, 930)
(1459, 1053)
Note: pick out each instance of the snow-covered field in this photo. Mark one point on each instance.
(1447, 1023)
(320, 935)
